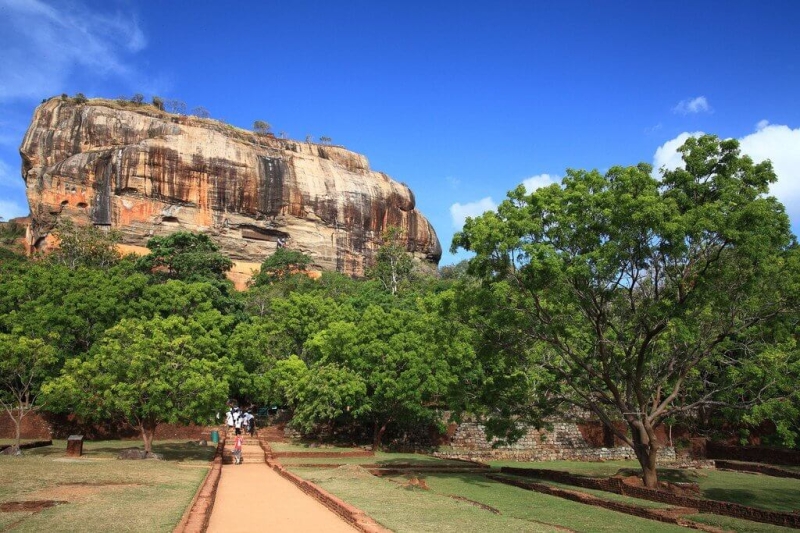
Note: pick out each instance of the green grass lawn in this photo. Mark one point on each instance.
(380, 458)
(3, 442)
(405, 509)
(102, 493)
(739, 526)
(600, 494)
(297, 446)
(591, 469)
(765, 492)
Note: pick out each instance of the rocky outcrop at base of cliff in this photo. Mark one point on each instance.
(146, 172)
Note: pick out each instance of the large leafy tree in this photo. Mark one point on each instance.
(69, 308)
(187, 256)
(411, 363)
(631, 290)
(280, 265)
(147, 372)
(25, 364)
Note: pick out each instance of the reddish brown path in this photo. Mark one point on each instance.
(252, 497)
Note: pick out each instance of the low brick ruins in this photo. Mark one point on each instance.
(564, 441)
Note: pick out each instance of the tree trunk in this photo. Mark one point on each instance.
(646, 450)
(377, 434)
(17, 424)
(148, 433)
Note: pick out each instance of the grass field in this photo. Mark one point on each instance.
(765, 492)
(306, 447)
(402, 508)
(380, 458)
(99, 492)
(405, 509)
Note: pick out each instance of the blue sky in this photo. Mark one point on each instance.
(463, 101)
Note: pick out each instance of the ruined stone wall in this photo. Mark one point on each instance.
(564, 442)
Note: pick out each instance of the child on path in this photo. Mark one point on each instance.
(237, 450)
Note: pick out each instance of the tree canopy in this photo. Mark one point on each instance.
(186, 256)
(147, 372)
(25, 364)
(631, 290)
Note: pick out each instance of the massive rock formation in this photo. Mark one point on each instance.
(146, 172)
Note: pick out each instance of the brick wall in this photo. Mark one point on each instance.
(47, 426)
(33, 426)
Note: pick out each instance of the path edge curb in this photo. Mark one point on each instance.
(350, 514)
(195, 518)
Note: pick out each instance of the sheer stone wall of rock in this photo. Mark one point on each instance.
(146, 172)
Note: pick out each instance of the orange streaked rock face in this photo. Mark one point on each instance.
(146, 173)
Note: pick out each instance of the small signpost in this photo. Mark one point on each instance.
(75, 445)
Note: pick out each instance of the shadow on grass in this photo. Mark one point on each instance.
(771, 499)
(664, 474)
(170, 451)
(421, 461)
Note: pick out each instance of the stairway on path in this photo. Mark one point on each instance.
(251, 452)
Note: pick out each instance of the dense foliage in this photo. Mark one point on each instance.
(641, 300)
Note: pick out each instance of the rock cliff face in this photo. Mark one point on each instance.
(146, 172)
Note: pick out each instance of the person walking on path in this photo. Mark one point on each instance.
(238, 420)
(250, 422)
(237, 450)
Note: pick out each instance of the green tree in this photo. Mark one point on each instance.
(285, 381)
(24, 365)
(85, 246)
(412, 363)
(261, 127)
(280, 265)
(187, 256)
(158, 102)
(328, 393)
(393, 264)
(147, 372)
(71, 309)
(630, 289)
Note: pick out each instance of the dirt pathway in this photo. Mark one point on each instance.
(252, 497)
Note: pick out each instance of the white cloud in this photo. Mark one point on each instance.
(539, 181)
(667, 156)
(780, 144)
(460, 212)
(43, 44)
(692, 106)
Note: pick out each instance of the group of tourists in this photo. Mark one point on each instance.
(240, 421)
